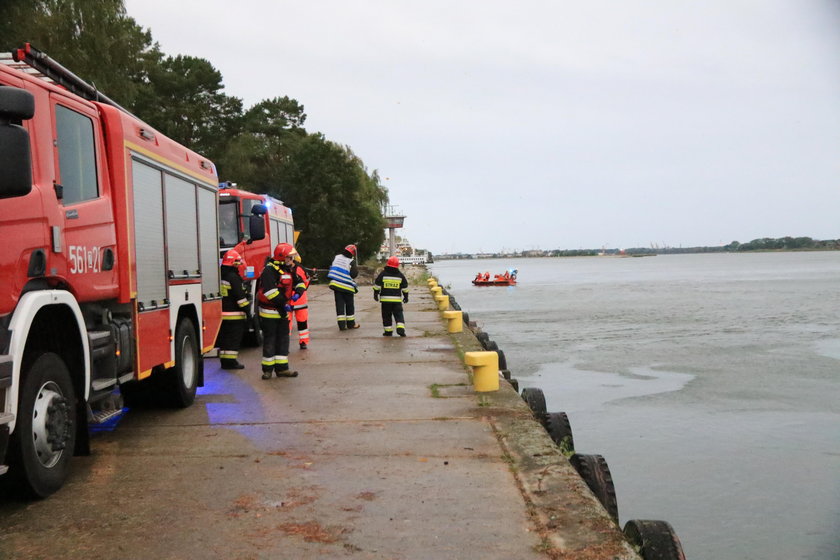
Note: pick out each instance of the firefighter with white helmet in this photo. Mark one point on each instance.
(279, 289)
(391, 289)
(342, 274)
(235, 306)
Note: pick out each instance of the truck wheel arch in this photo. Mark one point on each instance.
(36, 313)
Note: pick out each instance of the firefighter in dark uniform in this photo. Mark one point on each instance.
(391, 289)
(235, 309)
(279, 289)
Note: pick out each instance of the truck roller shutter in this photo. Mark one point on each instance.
(181, 227)
(148, 232)
(209, 242)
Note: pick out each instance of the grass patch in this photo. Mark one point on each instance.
(435, 388)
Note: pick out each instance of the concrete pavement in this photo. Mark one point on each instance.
(378, 450)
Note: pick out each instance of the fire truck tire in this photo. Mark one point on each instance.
(655, 540)
(45, 434)
(184, 375)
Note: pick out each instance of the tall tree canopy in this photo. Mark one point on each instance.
(185, 100)
(92, 38)
(335, 199)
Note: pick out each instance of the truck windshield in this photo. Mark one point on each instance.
(229, 234)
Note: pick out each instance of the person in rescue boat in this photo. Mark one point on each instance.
(279, 290)
(391, 289)
(342, 273)
(300, 308)
(235, 311)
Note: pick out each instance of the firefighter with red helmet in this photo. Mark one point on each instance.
(300, 308)
(279, 289)
(391, 289)
(342, 273)
(235, 309)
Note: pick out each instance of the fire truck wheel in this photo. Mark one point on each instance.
(184, 376)
(45, 435)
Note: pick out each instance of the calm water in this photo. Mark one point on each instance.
(710, 383)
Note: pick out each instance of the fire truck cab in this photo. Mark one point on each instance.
(253, 224)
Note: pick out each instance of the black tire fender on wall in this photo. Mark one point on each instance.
(535, 399)
(655, 540)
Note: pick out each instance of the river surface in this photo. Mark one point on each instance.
(709, 382)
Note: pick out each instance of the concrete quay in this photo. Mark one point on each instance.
(380, 449)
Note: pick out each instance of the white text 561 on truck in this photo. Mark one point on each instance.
(109, 266)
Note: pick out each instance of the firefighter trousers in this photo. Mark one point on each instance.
(275, 343)
(301, 316)
(393, 312)
(345, 309)
(229, 340)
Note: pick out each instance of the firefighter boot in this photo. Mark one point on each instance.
(266, 374)
(231, 364)
(284, 372)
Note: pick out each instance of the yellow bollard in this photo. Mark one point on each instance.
(436, 290)
(442, 301)
(455, 321)
(485, 370)
(432, 282)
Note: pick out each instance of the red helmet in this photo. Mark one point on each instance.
(283, 250)
(393, 261)
(351, 249)
(232, 258)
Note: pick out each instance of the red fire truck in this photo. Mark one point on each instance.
(241, 215)
(109, 265)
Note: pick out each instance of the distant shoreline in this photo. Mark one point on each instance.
(617, 253)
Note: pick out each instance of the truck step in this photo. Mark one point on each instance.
(105, 419)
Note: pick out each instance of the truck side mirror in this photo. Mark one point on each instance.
(256, 227)
(16, 104)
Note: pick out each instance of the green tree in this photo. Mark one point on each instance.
(270, 130)
(334, 199)
(185, 101)
(95, 39)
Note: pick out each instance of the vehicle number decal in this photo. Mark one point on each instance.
(85, 259)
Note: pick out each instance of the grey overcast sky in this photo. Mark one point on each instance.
(553, 124)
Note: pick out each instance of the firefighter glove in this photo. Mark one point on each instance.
(375, 296)
(295, 297)
(287, 307)
(405, 298)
